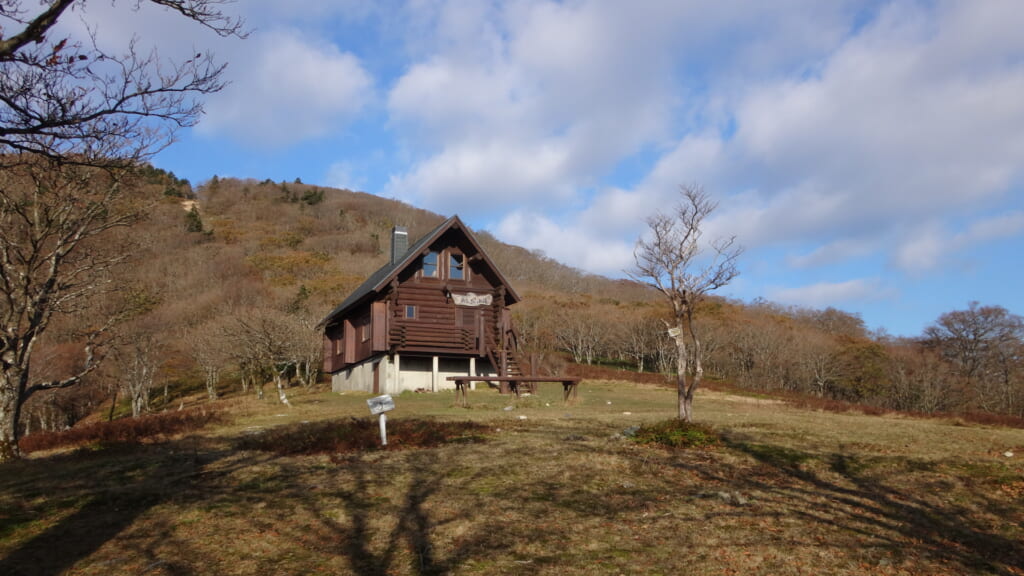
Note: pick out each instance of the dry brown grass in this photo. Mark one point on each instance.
(789, 491)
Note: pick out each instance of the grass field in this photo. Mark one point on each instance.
(550, 489)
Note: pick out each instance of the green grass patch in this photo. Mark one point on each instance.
(677, 434)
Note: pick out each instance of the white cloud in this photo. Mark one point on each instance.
(286, 89)
(930, 246)
(581, 247)
(923, 250)
(344, 175)
(487, 177)
(531, 100)
(996, 228)
(824, 294)
(834, 252)
(910, 122)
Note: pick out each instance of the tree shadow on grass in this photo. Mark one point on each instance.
(107, 491)
(103, 494)
(411, 543)
(878, 507)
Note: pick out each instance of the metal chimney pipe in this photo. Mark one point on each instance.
(399, 243)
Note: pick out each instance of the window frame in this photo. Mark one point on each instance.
(457, 261)
(436, 265)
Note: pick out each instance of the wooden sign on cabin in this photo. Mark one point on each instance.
(472, 299)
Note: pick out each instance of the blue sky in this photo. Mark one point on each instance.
(868, 155)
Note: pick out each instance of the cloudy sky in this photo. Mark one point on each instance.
(868, 155)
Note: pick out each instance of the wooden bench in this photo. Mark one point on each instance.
(569, 385)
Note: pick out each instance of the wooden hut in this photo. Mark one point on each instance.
(438, 308)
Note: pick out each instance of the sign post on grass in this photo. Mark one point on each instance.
(381, 405)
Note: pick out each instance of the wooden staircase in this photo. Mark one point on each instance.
(507, 361)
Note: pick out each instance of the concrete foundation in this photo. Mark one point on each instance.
(395, 374)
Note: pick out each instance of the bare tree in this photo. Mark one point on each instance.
(672, 261)
(137, 361)
(49, 264)
(309, 348)
(208, 350)
(65, 108)
(920, 380)
(984, 344)
(71, 100)
(267, 342)
(578, 333)
(638, 340)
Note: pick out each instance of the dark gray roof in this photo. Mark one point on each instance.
(383, 276)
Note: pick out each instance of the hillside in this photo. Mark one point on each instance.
(245, 277)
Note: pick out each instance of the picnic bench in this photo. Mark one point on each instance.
(514, 383)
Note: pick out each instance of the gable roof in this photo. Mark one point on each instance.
(382, 277)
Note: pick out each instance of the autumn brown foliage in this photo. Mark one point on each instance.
(123, 431)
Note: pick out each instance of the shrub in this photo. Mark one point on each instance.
(677, 434)
(122, 431)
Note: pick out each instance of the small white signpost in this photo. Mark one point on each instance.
(381, 405)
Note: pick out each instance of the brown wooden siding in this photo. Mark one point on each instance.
(334, 352)
(436, 326)
(379, 327)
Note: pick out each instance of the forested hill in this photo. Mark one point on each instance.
(248, 273)
(294, 235)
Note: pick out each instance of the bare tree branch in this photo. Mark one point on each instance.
(672, 260)
(76, 102)
(67, 109)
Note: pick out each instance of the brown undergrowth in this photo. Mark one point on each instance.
(360, 435)
(124, 430)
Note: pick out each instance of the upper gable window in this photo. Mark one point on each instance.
(430, 262)
(457, 266)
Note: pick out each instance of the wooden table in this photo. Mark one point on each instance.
(569, 385)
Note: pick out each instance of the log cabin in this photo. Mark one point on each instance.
(438, 308)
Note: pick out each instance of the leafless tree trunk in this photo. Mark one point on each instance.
(578, 334)
(65, 106)
(207, 348)
(669, 261)
(49, 215)
(138, 370)
(639, 341)
(269, 343)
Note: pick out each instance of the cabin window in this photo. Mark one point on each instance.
(457, 266)
(339, 346)
(366, 331)
(430, 262)
(410, 311)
